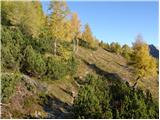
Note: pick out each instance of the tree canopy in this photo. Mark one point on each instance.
(143, 62)
(28, 16)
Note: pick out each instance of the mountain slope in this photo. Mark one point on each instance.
(58, 95)
(112, 66)
(106, 61)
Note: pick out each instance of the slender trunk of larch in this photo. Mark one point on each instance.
(55, 47)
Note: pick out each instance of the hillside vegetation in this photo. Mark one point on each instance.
(52, 69)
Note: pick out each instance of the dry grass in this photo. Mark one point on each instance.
(61, 89)
(106, 61)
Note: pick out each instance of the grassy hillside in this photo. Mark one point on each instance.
(51, 68)
(100, 62)
(111, 65)
(105, 61)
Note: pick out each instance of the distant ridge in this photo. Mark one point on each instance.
(154, 51)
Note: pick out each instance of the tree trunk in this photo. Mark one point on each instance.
(77, 45)
(135, 84)
(55, 47)
(74, 45)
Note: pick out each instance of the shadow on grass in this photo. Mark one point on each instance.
(112, 77)
(56, 109)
